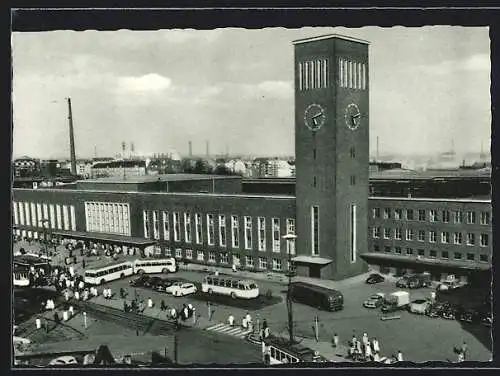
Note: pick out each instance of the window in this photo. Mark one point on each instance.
(58, 215)
(313, 74)
(224, 258)
(27, 213)
(387, 233)
(445, 255)
(457, 256)
(290, 229)
(198, 223)
(409, 234)
(353, 228)
(168, 252)
(376, 248)
(446, 216)
(432, 253)
(432, 236)
(276, 234)
(145, 219)
(458, 217)
(235, 231)
(262, 263)
(178, 253)
(177, 227)
(483, 258)
(248, 232)
(210, 229)
(457, 238)
(445, 237)
(200, 256)
(471, 239)
(189, 254)
(387, 249)
(261, 225)
(126, 230)
(421, 215)
(156, 225)
(249, 261)
(353, 152)
(65, 216)
(276, 264)
(398, 214)
(14, 209)
(409, 214)
(409, 251)
(187, 227)
(315, 230)
(485, 218)
(433, 217)
(387, 213)
(421, 252)
(222, 230)
(211, 256)
(397, 250)
(33, 215)
(470, 257)
(484, 240)
(397, 233)
(376, 212)
(353, 180)
(376, 232)
(166, 226)
(471, 217)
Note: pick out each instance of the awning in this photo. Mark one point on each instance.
(427, 261)
(311, 260)
(110, 238)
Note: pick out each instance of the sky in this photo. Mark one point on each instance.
(234, 88)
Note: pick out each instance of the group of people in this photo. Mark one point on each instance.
(364, 349)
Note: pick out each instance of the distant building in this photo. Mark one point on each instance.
(236, 166)
(118, 168)
(26, 166)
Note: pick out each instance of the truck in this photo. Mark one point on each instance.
(396, 301)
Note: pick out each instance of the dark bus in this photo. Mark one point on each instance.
(317, 296)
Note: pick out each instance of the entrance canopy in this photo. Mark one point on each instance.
(425, 261)
(108, 238)
(304, 259)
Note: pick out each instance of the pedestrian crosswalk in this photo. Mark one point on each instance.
(227, 329)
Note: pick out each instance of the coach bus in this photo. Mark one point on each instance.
(278, 351)
(152, 266)
(21, 278)
(228, 285)
(109, 273)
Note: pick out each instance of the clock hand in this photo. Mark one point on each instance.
(356, 116)
(317, 115)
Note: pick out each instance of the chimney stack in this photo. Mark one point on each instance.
(208, 150)
(71, 139)
(190, 149)
(377, 155)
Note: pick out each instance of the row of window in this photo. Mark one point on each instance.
(352, 74)
(397, 234)
(313, 74)
(432, 215)
(249, 261)
(61, 217)
(109, 217)
(433, 253)
(204, 225)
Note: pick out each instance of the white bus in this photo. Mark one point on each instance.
(21, 279)
(155, 266)
(109, 273)
(228, 285)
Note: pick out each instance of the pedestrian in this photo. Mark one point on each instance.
(365, 339)
(244, 323)
(230, 320)
(125, 307)
(186, 312)
(464, 349)
(163, 306)
(266, 332)
(77, 295)
(83, 261)
(358, 347)
(376, 346)
(354, 340)
(461, 357)
(368, 352)
(248, 317)
(264, 324)
(335, 340)
(173, 313)
(400, 356)
(56, 318)
(81, 285)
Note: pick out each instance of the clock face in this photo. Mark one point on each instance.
(314, 116)
(352, 116)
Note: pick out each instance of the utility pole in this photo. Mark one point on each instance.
(176, 341)
(290, 238)
(71, 139)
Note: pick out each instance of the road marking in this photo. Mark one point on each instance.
(229, 330)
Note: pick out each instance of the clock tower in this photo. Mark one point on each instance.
(332, 155)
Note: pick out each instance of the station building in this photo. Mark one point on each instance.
(342, 224)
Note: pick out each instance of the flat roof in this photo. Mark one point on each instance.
(474, 200)
(428, 261)
(330, 36)
(156, 178)
(122, 239)
(312, 260)
(404, 174)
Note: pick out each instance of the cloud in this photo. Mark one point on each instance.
(187, 35)
(474, 63)
(277, 89)
(151, 82)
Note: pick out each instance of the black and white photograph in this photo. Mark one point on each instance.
(231, 196)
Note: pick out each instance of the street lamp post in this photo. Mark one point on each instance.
(44, 221)
(290, 238)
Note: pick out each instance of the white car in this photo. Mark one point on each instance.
(183, 289)
(374, 301)
(174, 286)
(419, 306)
(63, 361)
(448, 285)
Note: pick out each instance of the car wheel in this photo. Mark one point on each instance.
(122, 275)
(210, 291)
(233, 295)
(164, 270)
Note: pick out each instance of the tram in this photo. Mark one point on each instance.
(277, 351)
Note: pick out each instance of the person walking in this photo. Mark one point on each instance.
(335, 340)
(464, 349)
(365, 339)
(461, 357)
(230, 320)
(368, 352)
(399, 356)
(83, 261)
(163, 306)
(375, 346)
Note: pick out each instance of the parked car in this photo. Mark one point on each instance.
(419, 306)
(449, 311)
(163, 284)
(63, 361)
(170, 289)
(436, 309)
(374, 278)
(448, 285)
(374, 301)
(152, 282)
(184, 289)
(402, 282)
(139, 281)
